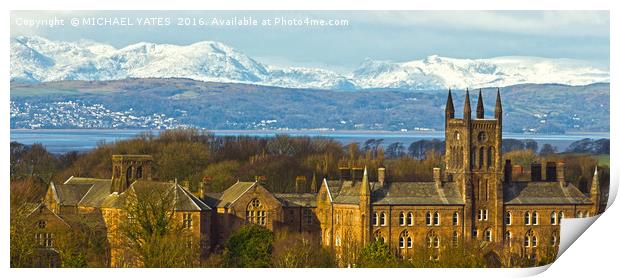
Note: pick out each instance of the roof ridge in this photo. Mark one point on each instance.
(192, 199)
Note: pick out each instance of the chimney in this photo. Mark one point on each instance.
(262, 180)
(508, 171)
(560, 176)
(345, 173)
(357, 173)
(185, 185)
(551, 171)
(381, 175)
(300, 184)
(536, 172)
(437, 177)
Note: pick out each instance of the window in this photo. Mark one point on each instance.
(405, 240)
(436, 219)
(187, 220)
(560, 216)
(131, 219)
(486, 214)
(530, 239)
(579, 214)
(401, 243)
(508, 238)
(535, 221)
(534, 241)
(401, 218)
(508, 218)
(480, 215)
(41, 224)
(375, 219)
(455, 219)
(554, 218)
(256, 214)
(410, 219)
(474, 233)
(338, 241)
(481, 158)
(307, 216)
(554, 240)
(409, 242)
(526, 218)
(139, 172)
(44, 239)
(488, 235)
(526, 241)
(455, 239)
(428, 219)
(436, 242)
(383, 219)
(490, 157)
(432, 240)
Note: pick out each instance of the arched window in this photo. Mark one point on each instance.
(534, 241)
(530, 239)
(375, 219)
(405, 240)
(429, 221)
(138, 172)
(379, 237)
(490, 157)
(41, 224)
(432, 240)
(480, 215)
(255, 213)
(410, 219)
(527, 218)
(455, 239)
(486, 214)
(535, 221)
(488, 235)
(455, 219)
(508, 238)
(554, 218)
(554, 240)
(474, 233)
(436, 219)
(560, 216)
(436, 242)
(481, 158)
(508, 218)
(383, 223)
(401, 218)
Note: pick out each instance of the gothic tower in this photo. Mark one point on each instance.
(128, 168)
(473, 161)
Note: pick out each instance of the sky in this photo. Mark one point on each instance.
(380, 35)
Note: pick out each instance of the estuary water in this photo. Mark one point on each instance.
(64, 140)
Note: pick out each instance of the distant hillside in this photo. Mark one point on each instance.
(169, 103)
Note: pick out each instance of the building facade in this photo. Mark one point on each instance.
(473, 198)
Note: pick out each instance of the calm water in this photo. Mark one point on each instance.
(59, 141)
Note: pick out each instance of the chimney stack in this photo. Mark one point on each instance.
(381, 175)
(437, 176)
(536, 172)
(551, 171)
(357, 173)
(508, 171)
(560, 176)
(345, 173)
(300, 184)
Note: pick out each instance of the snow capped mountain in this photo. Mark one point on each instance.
(36, 59)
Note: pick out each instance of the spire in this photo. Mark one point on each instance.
(449, 106)
(313, 187)
(498, 106)
(594, 191)
(467, 107)
(365, 188)
(480, 108)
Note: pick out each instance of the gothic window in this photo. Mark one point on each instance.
(526, 241)
(554, 218)
(530, 239)
(405, 240)
(307, 214)
(554, 240)
(436, 242)
(481, 158)
(560, 216)
(455, 219)
(488, 235)
(138, 172)
(379, 237)
(490, 157)
(410, 219)
(455, 239)
(41, 224)
(375, 219)
(457, 136)
(256, 213)
(534, 241)
(527, 217)
(429, 221)
(535, 219)
(508, 218)
(436, 219)
(187, 220)
(401, 219)
(508, 238)
(482, 137)
(383, 223)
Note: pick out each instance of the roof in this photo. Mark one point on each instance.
(74, 189)
(183, 200)
(417, 193)
(231, 194)
(297, 199)
(543, 193)
(344, 192)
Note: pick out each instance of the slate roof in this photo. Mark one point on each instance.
(74, 189)
(297, 199)
(183, 200)
(543, 193)
(417, 193)
(231, 194)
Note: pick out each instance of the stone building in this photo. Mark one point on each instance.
(473, 197)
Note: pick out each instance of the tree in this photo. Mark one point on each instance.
(377, 254)
(298, 250)
(250, 246)
(150, 232)
(548, 149)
